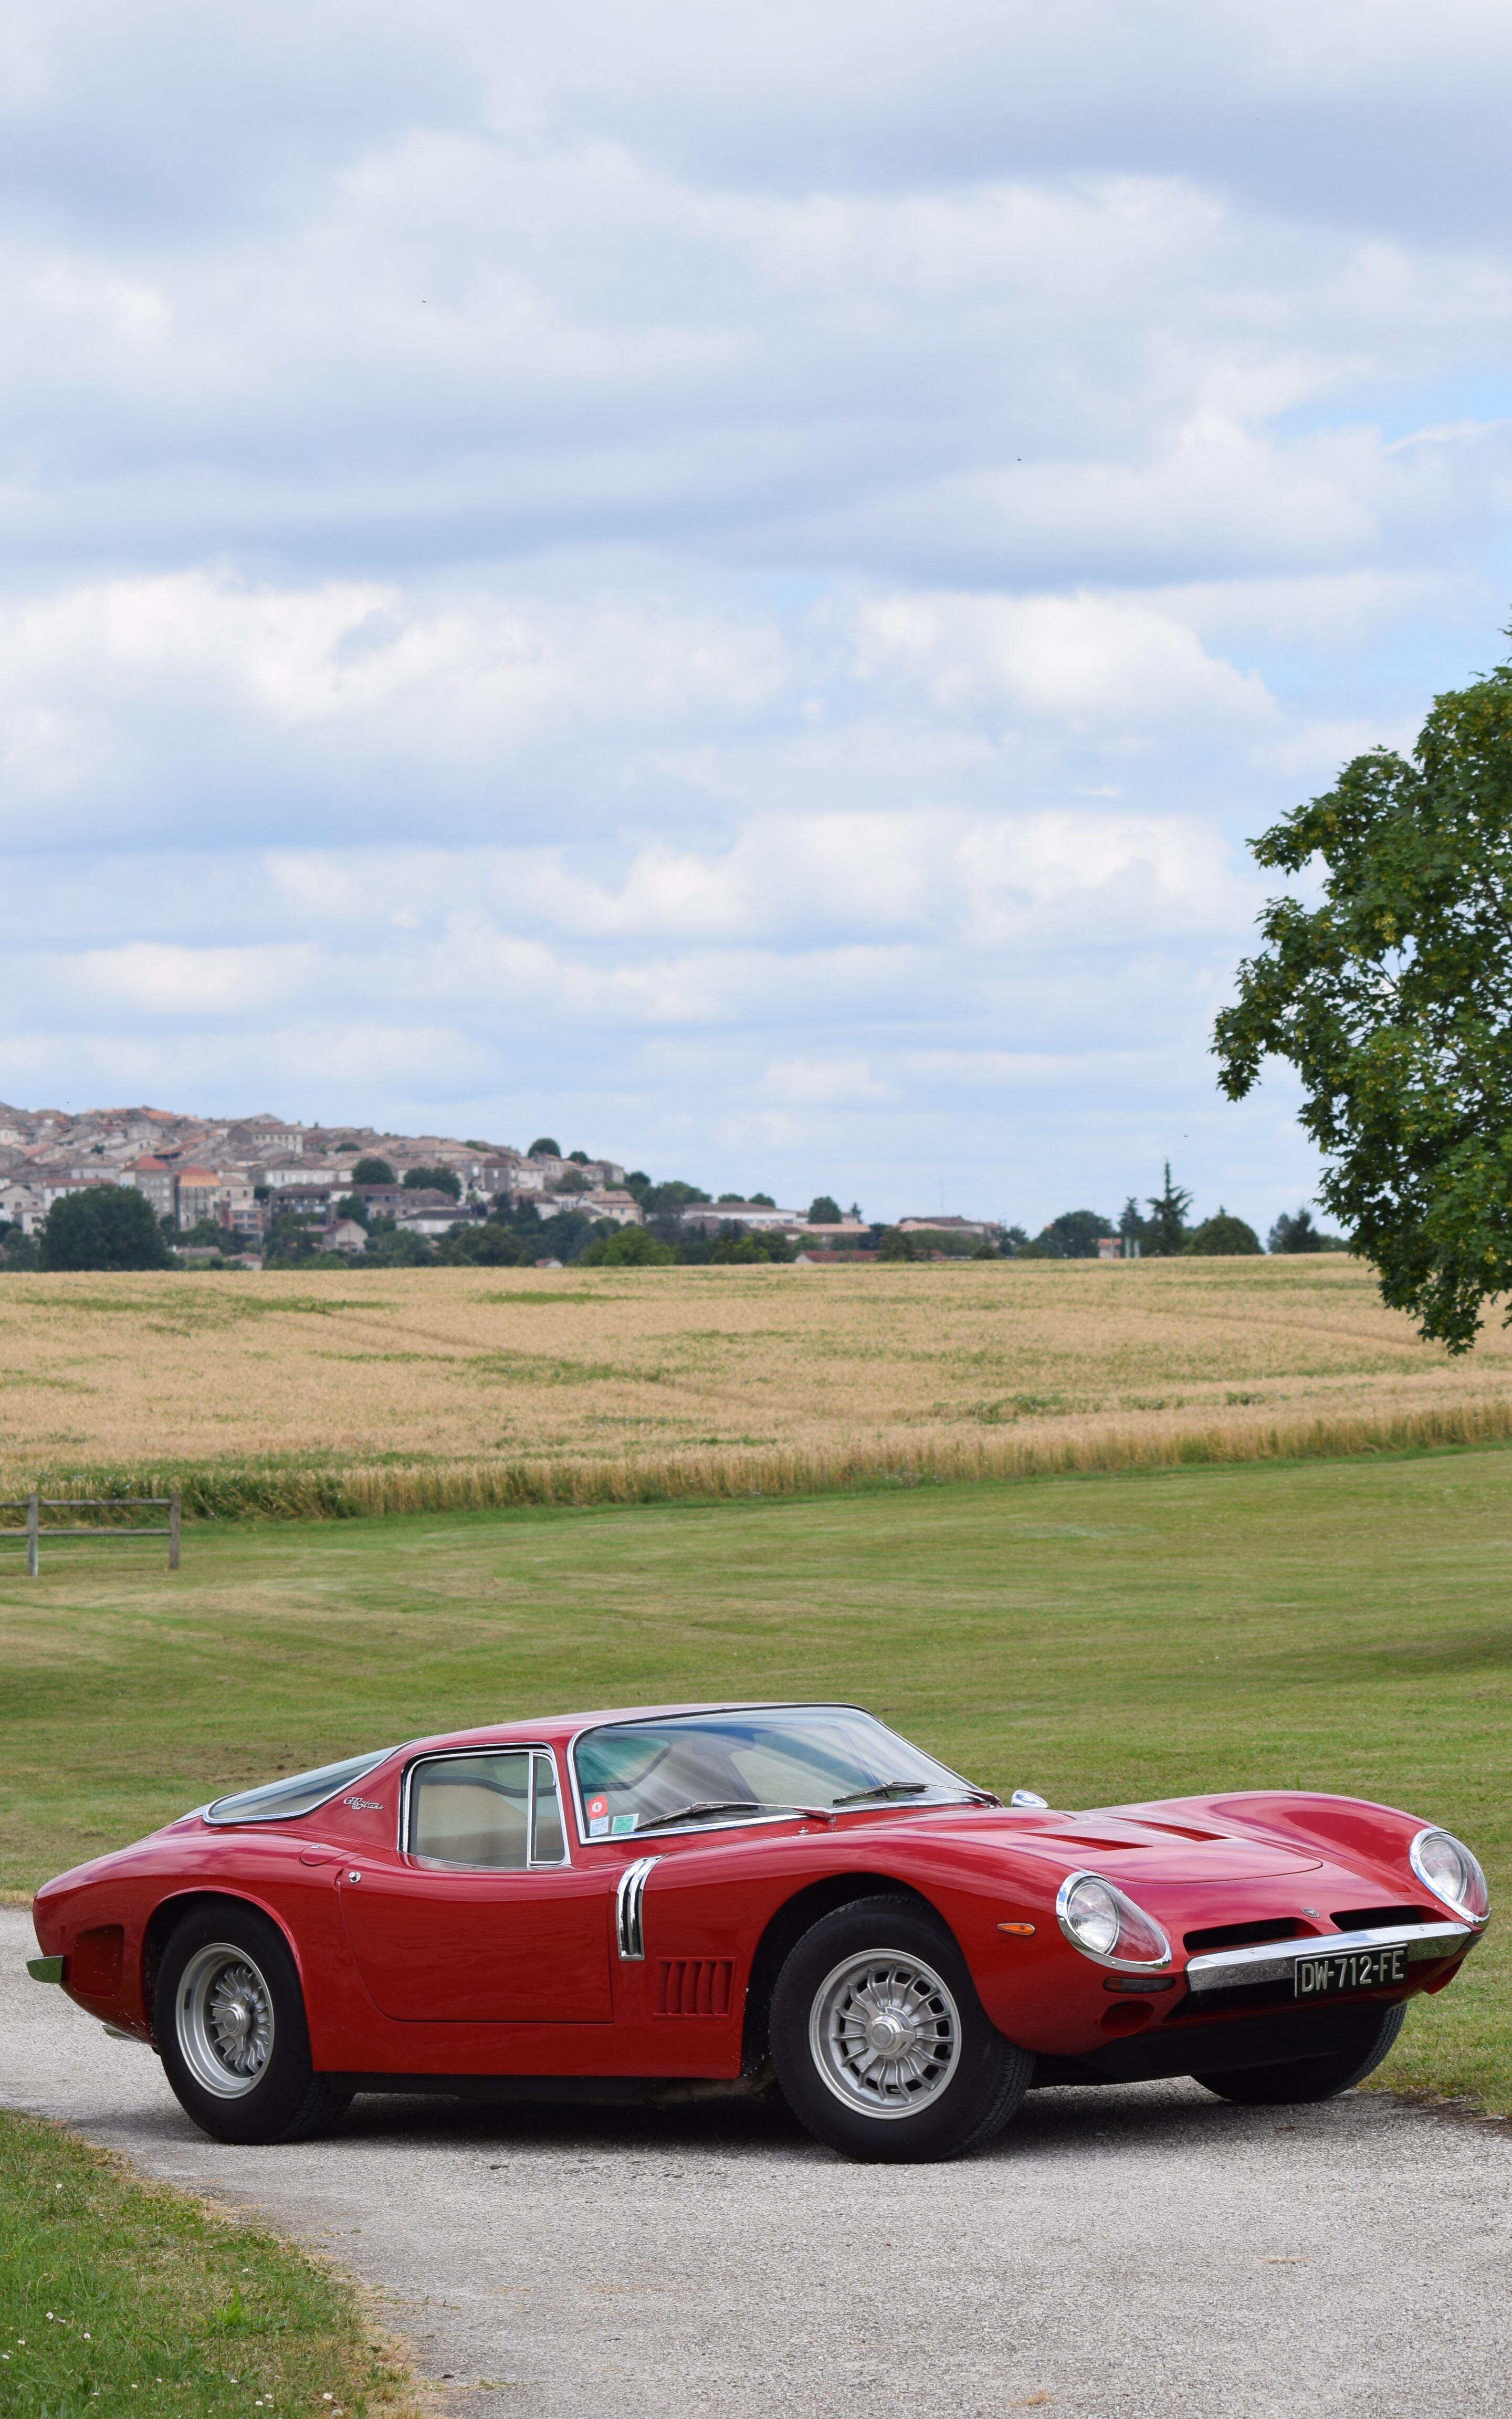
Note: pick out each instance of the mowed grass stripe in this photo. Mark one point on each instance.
(1341, 1625)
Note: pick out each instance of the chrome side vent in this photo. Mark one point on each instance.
(629, 1939)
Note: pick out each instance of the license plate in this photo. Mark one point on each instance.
(1362, 1969)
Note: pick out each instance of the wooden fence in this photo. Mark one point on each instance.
(34, 1505)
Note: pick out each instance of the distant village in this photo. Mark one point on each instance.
(232, 1188)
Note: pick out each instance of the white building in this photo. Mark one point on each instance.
(707, 1217)
(623, 1207)
(431, 1219)
(943, 1226)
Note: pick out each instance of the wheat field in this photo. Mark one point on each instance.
(414, 1389)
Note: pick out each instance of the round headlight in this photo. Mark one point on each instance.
(1452, 1873)
(1098, 1919)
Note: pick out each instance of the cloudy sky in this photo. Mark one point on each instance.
(725, 582)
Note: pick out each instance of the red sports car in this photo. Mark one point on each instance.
(675, 1901)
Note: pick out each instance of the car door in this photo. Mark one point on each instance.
(481, 1916)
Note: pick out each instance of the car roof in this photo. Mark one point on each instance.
(566, 1726)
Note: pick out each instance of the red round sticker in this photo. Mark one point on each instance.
(598, 1806)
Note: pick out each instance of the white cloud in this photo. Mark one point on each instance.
(1111, 661)
(738, 577)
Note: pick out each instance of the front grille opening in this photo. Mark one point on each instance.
(1372, 1919)
(1246, 1936)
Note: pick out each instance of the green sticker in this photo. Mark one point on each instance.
(621, 1823)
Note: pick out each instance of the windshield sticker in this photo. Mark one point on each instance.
(621, 1823)
(598, 1818)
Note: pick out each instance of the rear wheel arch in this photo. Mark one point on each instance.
(231, 2025)
(170, 1912)
(786, 1927)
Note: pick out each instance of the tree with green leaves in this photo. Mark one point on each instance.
(660, 1200)
(1133, 1229)
(372, 1171)
(109, 1227)
(206, 1234)
(629, 1247)
(488, 1246)
(733, 1244)
(18, 1250)
(433, 1180)
(1222, 1237)
(824, 1210)
(545, 1147)
(1166, 1228)
(1294, 1231)
(1072, 1236)
(1391, 997)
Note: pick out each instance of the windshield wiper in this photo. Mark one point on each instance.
(894, 1790)
(704, 1806)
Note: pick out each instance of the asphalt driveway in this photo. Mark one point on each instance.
(1131, 2254)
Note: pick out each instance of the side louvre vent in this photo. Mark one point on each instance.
(694, 1986)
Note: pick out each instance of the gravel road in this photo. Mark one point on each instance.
(1131, 2254)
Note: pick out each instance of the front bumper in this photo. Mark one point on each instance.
(1277, 1961)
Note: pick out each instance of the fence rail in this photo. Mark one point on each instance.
(34, 1505)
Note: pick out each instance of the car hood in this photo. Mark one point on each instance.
(1129, 1850)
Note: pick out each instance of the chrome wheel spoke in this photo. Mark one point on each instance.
(225, 2022)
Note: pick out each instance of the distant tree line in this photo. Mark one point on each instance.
(1165, 1233)
(114, 1228)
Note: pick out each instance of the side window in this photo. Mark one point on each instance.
(472, 1809)
(548, 1845)
(499, 1811)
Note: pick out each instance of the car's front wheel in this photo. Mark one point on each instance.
(882, 2047)
(229, 2019)
(1313, 2079)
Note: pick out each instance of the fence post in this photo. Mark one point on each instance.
(174, 1500)
(33, 1550)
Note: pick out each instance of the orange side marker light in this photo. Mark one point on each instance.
(1024, 1931)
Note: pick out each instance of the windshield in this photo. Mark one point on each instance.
(731, 1766)
(300, 1793)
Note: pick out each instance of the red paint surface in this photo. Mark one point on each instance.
(418, 1969)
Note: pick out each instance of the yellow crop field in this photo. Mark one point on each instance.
(407, 1389)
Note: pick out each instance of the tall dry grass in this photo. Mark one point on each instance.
(433, 1388)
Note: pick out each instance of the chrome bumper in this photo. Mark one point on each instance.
(1275, 1961)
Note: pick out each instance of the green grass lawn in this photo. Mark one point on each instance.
(132, 2296)
(1342, 1626)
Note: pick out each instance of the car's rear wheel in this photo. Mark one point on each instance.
(1313, 2079)
(882, 2047)
(229, 2019)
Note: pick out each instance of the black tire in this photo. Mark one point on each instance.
(229, 2018)
(1312, 2078)
(956, 2081)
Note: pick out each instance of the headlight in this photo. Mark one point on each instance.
(1098, 1919)
(1447, 1867)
